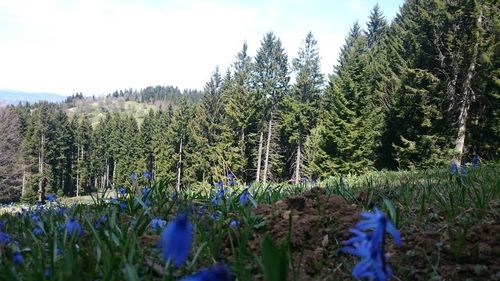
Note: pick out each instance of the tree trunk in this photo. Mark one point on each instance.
(78, 172)
(242, 151)
(259, 157)
(113, 178)
(468, 97)
(106, 177)
(297, 165)
(41, 156)
(268, 148)
(23, 190)
(178, 184)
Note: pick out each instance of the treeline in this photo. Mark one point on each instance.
(418, 92)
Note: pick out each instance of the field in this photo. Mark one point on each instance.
(449, 224)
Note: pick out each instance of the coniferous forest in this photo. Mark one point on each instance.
(418, 92)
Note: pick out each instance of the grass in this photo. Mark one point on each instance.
(123, 246)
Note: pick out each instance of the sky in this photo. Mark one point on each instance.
(98, 46)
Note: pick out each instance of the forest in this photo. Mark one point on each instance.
(418, 92)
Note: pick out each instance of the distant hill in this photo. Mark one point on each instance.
(14, 97)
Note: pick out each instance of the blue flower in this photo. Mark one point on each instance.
(61, 210)
(454, 167)
(37, 231)
(231, 179)
(47, 272)
(133, 176)
(369, 246)
(157, 224)
(122, 190)
(215, 216)
(372, 262)
(72, 226)
(146, 175)
(34, 218)
(378, 222)
(4, 238)
(17, 258)
(102, 219)
(463, 171)
(176, 239)
(234, 224)
(145, 191)
(51, 197)
(218, 272)
(218, 184)
(216, 200)
(123, 206)
(475, 160)
(244, 197)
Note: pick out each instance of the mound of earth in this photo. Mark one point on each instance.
(320, 224)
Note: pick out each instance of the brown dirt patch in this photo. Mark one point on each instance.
(319, 225)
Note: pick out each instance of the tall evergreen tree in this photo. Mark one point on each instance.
(270, 80)
(300, 108)
(242, 111)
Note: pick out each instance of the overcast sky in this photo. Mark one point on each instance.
(98, 46)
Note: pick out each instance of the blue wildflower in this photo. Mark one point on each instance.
(34, 218)
(37, 231)
(216, 200)
(122, 190)
(157, 224)
(463, 171)
(17, 258)
(372, 262)
(51, 197)
(381, 224)
(475, 160)
(102, 219)
(218, 272)
(231, 179)
(123, 206)
(146, 175)
(234, 224)
(454, 167)
(244, 197)
(370, 245)
(145, 191)
(4, 238)
(133, 176)
(61, 210)
(47, 272)
(176, 239)
(218, 184)
(215, 216)
(72, 226)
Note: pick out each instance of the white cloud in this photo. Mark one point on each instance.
(97, 46)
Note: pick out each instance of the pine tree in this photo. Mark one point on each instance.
(270, 80)
(242, 111)
(300, 108)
